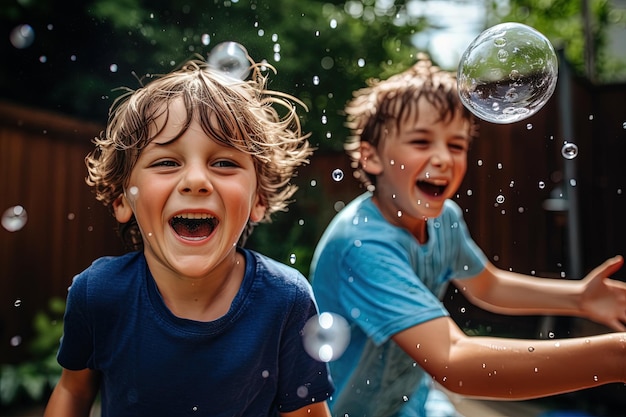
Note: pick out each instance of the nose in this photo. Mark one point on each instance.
(441, 157)
(196, 180)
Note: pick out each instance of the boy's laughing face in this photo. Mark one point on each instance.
(192, 197)
(418, 166)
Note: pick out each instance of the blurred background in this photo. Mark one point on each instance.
(531, 209)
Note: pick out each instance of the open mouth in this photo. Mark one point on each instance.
(432, 187)
(193, 226)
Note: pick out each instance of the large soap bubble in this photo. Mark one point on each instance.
(507, 73)
(230, 58)
(326, 336)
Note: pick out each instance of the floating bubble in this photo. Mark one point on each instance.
(230, 58)
(507, 73)
(14, 218)
(569, 150)
(326, 336)
(22, 36)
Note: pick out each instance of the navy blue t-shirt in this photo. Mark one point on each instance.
(250, 362)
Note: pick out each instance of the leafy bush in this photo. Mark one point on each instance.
(33, 380)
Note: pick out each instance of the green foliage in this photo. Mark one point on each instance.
(32, 380)
(563, 22)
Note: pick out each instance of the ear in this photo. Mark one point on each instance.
(258, 210)
(370, 160)
(122, 209)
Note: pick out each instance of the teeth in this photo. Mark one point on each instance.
(199, 216)
(434, 181)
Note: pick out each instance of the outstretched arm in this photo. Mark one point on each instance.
(503, 368)
(596, 297)
(314, 410)
(74, 394)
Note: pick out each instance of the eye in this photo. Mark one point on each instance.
(225, 163)
(167, 163)
(458, 146)
(421, 142)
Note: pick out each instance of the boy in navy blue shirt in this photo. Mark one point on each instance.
(191, 323)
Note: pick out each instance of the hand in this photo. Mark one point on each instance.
(603, 300)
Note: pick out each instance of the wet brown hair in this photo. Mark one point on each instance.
(241, 114)
(383, 106)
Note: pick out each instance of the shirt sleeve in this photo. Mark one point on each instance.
(381, 292)
(303, 380)
(76, 348)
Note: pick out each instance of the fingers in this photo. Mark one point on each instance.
(609, 267)
(617, 325)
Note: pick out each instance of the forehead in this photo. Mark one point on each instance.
(424, 116)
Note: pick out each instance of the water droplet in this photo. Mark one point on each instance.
(531, 349)
(17, 303)
(500, 199)
(337, 174)
(326, 336)
(542, 185)
(16, 341)
(292, 258)
(302, 391)
(22, 36)
(14, 218)
(569, 150)
(497, 81)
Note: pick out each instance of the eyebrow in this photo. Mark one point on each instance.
(427, 130)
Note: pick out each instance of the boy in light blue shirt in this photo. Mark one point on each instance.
(386, 258)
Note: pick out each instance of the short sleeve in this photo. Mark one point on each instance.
(381, 292)
(76, 350)
(303, 380)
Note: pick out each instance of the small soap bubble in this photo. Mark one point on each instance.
(14, 218)
(507, 73)
(569, 150)
(326, 336)
(337, 175)
(22, 36)
(230, 58)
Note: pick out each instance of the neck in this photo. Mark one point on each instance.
(205, 298)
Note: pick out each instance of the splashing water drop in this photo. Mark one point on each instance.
(569, 150)
(337, 175)
(14, 218)
(22, 36)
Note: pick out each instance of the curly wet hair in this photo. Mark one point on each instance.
(242, 114)
(382, 106)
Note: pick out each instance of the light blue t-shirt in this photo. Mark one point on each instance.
(383, 281)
